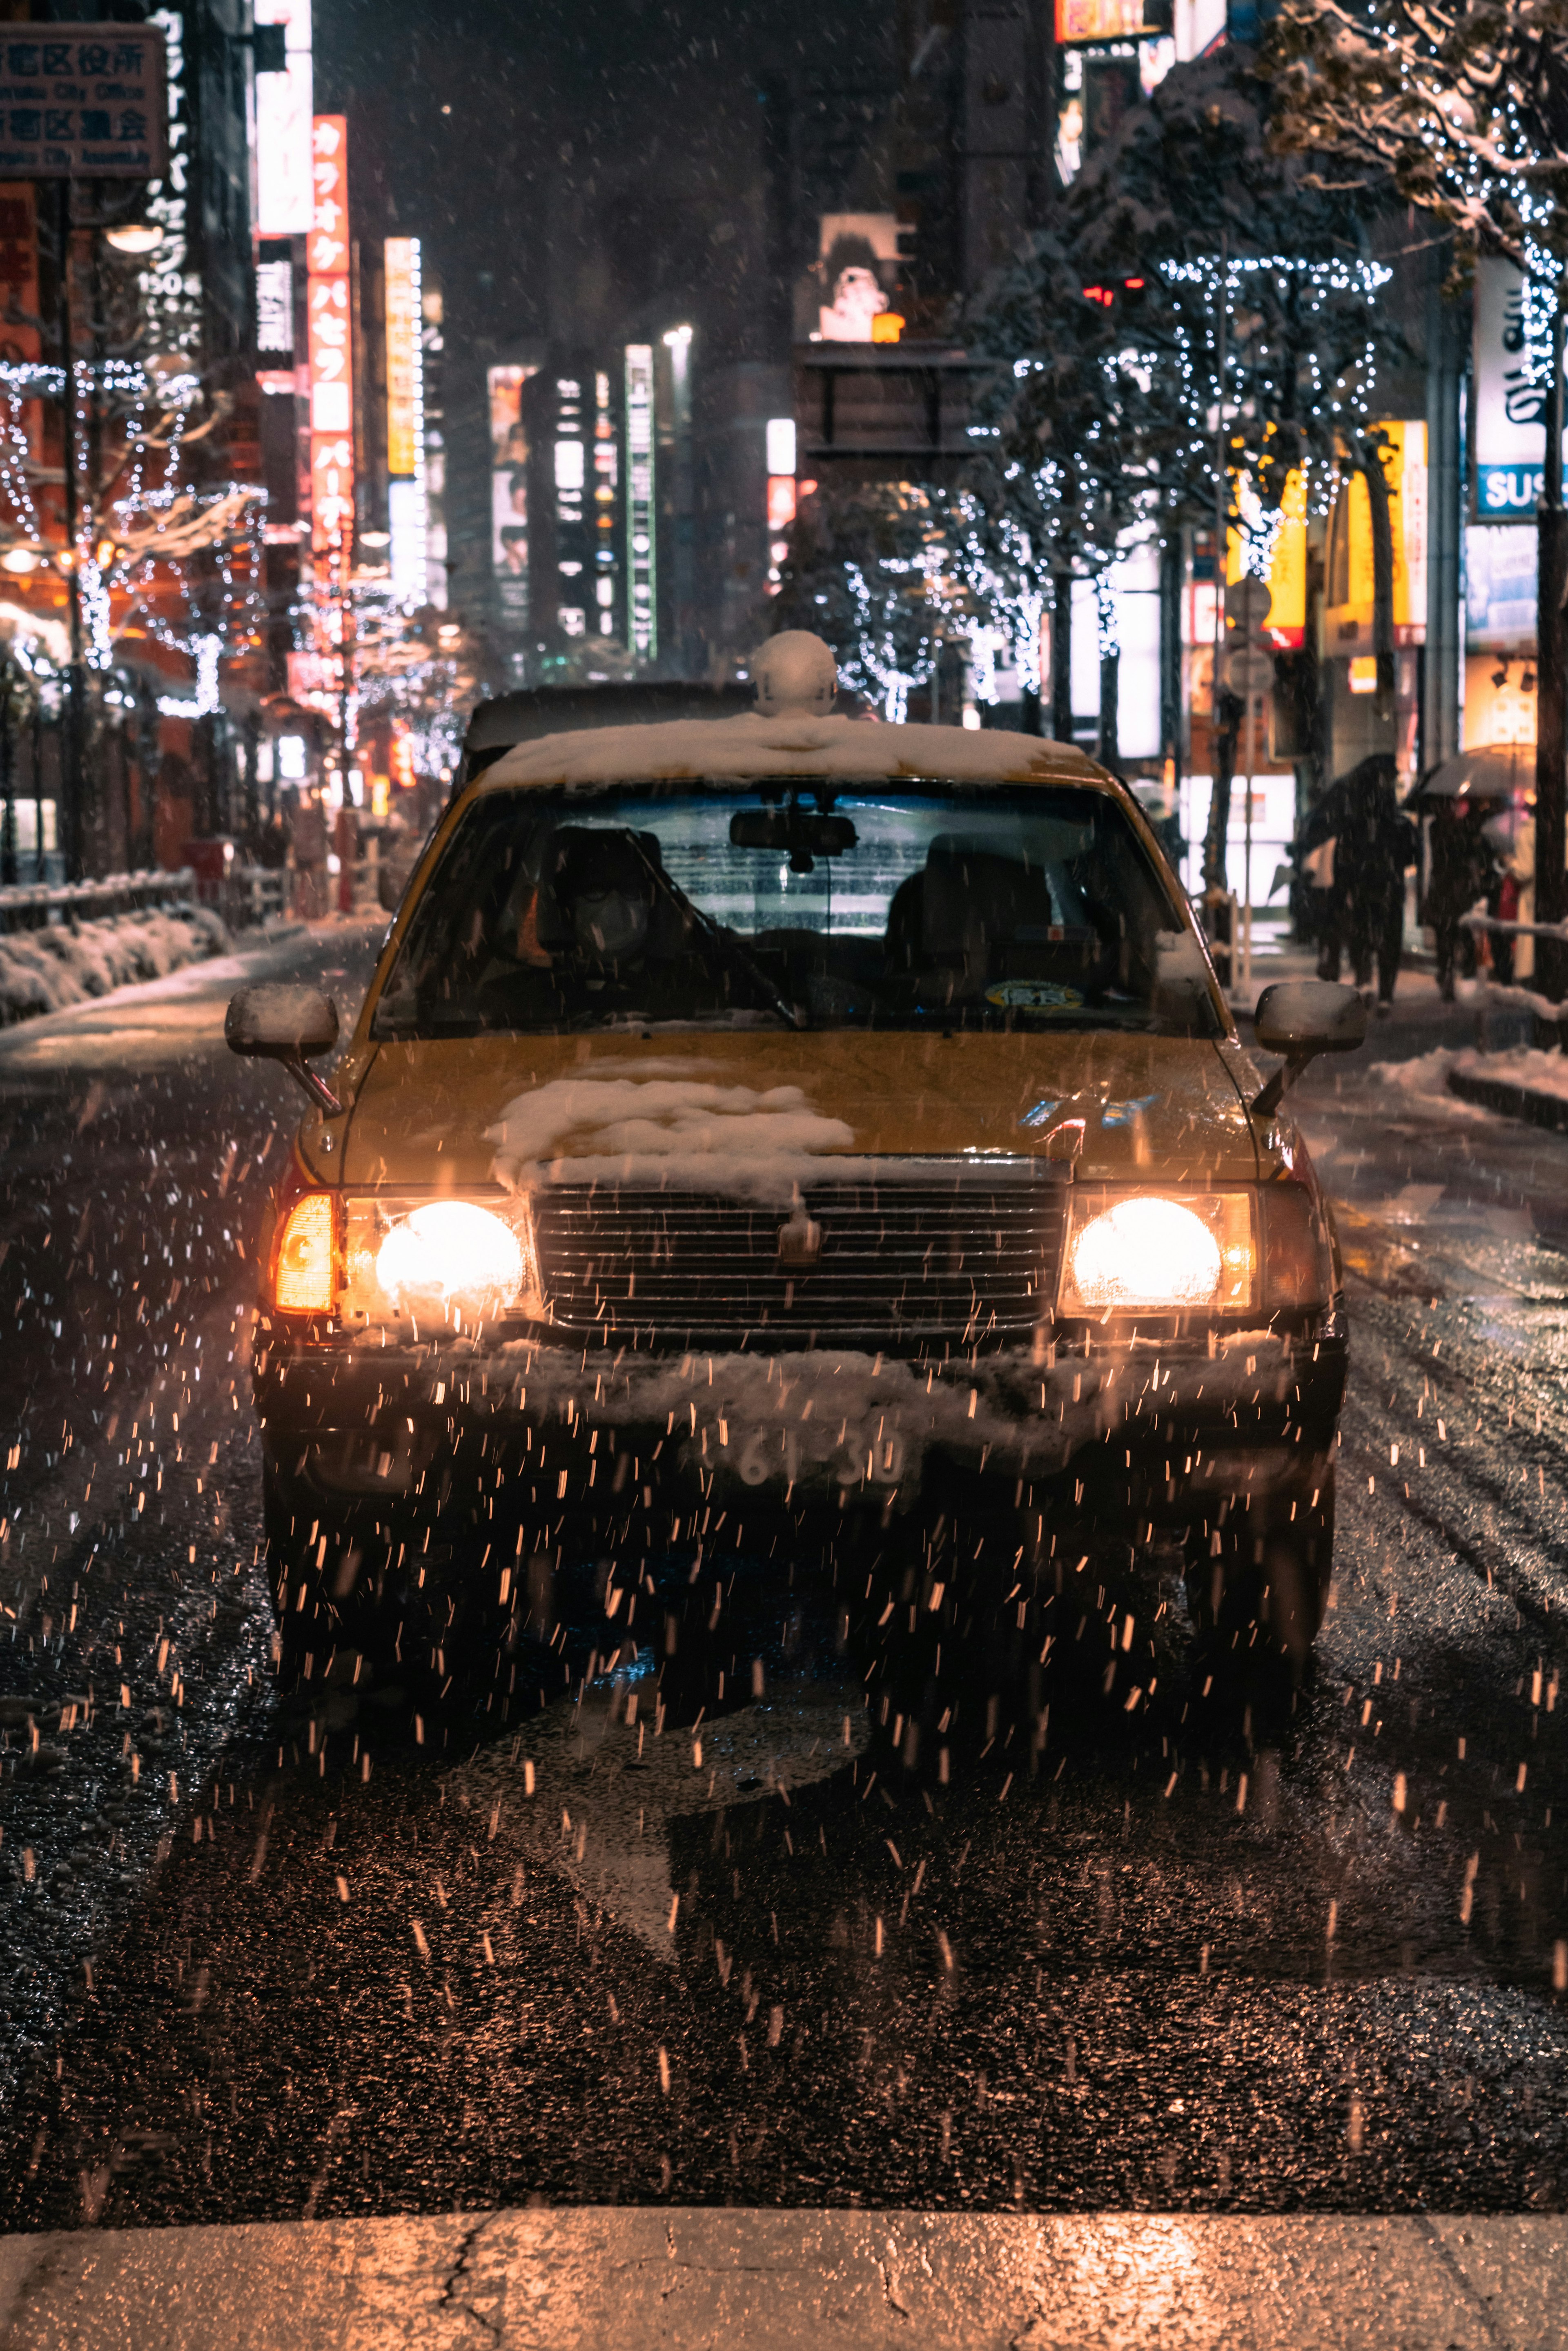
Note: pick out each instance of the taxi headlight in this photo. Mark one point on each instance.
(1144, 1251)
(438, 1262)
(451, 1253)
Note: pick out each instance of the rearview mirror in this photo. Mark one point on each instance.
(289, 1025)
(1302, 1019)
(803, 836)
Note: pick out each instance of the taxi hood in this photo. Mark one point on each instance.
(764, 1113)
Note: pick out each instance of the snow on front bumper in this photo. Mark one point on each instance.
(1217, 1415)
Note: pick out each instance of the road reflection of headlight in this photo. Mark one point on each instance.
(450, 1255)
(1145, 1252)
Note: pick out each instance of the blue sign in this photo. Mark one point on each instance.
(1506, 493)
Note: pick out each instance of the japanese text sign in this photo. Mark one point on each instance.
(82, 103)
(329, 322)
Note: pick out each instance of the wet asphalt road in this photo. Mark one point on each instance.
(264, 1963)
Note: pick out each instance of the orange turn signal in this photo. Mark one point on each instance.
(302, 1283)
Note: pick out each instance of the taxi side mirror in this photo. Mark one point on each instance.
(1302, 1019)
(289, 1025)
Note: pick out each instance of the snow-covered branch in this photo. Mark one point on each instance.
(1464, 108)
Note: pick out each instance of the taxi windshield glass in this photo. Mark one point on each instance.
(885, 906)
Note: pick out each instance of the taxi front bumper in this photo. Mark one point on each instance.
(1175, 1421)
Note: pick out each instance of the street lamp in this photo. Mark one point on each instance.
(134, 237)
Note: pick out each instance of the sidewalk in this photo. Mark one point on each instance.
(1522, 1082)
(1516, 1081)
(670, 2279)
(1416, 1022)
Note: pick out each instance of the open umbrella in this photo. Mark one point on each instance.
(1493, 771)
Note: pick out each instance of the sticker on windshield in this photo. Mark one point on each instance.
(1034, 996)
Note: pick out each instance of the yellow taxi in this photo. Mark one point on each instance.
(783, 1139)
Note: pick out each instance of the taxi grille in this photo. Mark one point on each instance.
(929, 1258)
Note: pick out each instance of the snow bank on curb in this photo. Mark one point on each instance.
(1525, 1066)
(46, 970)
(1425, 1080)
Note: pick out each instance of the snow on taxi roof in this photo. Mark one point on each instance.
(788, 745)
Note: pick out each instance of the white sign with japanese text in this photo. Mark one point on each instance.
(82, 103)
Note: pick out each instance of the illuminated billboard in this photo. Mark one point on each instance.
(1106, 20)
(606, 481)
(283, 119)
(405, 388)
(406, 514)
(641, 516)
(329, 329)
(510, 491)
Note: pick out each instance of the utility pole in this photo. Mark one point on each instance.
(1551, 661)
(1214, 879)
(73, 742)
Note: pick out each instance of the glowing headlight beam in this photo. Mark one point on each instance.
(451, 1254)
(1145, 1252)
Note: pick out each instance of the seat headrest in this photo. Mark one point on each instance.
(976, 899)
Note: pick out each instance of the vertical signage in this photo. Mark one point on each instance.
(406, 513)
(283, 121)
(640, 511)
(510, 491)
(570, 475)
(406, 404)
(170, 287)
(606, 480)
(1512, 360)
(274, 309)
(329, 326)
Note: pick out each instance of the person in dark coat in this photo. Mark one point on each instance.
(1374, 847)
(1462, 870)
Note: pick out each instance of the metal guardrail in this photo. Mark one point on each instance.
(1513, 930)
(32, 905)
(252, 895)
(246, 897)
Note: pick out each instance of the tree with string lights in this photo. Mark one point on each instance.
(1199, 324)
(1465, 111)
(1059, 477)
(870, 569)
(166, 548)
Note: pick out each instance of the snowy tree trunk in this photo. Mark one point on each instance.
(1228, 712)
(1061, 658)
(1377, 480)
(1109, 750)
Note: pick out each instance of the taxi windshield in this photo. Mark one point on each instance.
(902, 906)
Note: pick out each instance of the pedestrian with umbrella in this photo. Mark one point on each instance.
(1462, 796)
(1358, 825)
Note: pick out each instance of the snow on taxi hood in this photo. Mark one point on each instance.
(760, 1114)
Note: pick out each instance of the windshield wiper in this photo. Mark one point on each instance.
(726, 943)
